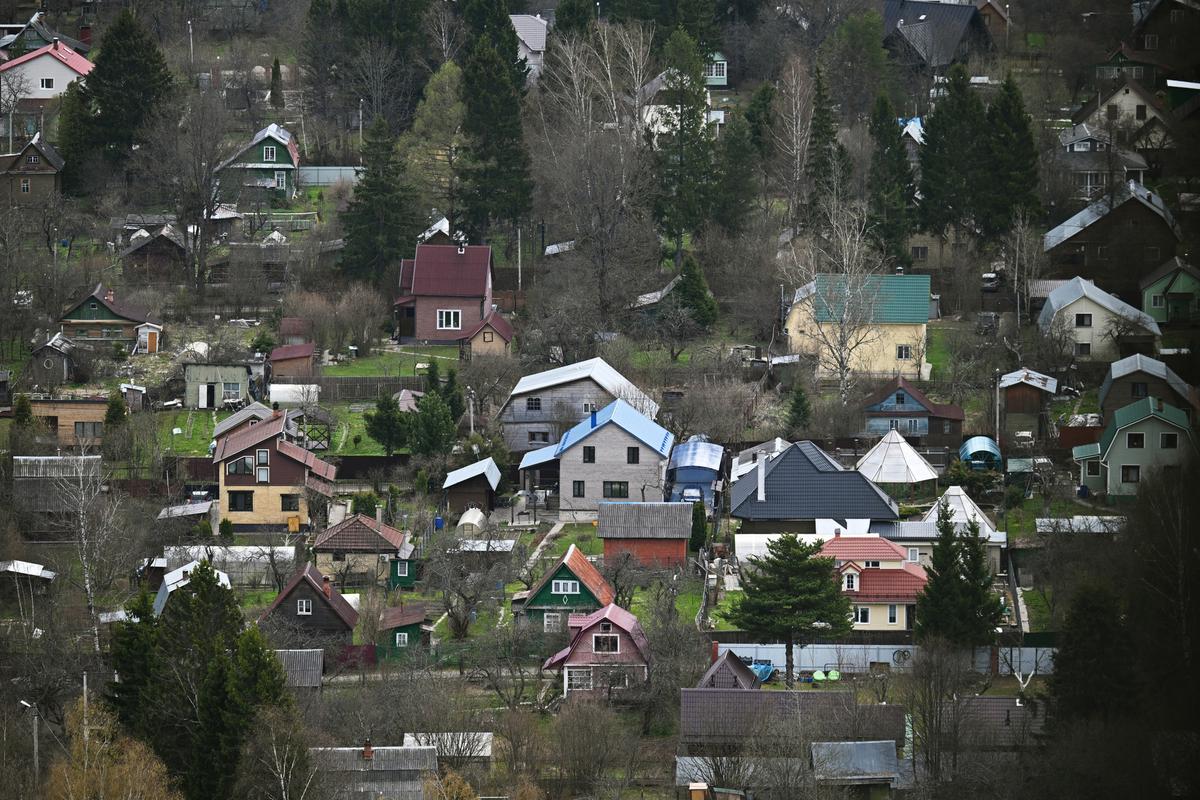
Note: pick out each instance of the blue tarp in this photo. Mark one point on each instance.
(762, 671)
(982, 450)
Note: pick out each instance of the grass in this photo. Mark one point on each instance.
(1019, 522)
(259, 599)
(197, 434)
(717, 616)
(1089, 403)
(389, 363)
(687, 602)
(1040, 618)
(937, 352)
(348, 425)
(582, 535)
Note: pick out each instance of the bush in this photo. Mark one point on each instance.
(364, 503)
(264, 342)
(226, 530)
(1014, 497)
(119, 353)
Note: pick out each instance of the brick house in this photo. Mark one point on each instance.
(32, 174)
(362, 550)
(445, 290)
(608, 653)
(655, 534)
(571, 586)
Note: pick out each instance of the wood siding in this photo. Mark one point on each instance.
(1120, 394)
(323, 621)
(473, 493)
(65, 413)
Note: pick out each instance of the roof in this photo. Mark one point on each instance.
(896, 299)
(697, 452)
(914, 128)
(935, 30)
(1079, 524)
(141, 238)
(1002, 722)
(59, 52)
(120, 309)
(232, 444)
(295, 326)
(442, 270)
(596, 370)
(1123, 193)
(322, 469)
(484, 545)
(1077, 288)
(177, 579)
(610, 613)
(336, 601)
(906, 531)
(496, 321)
(727, 671)
(1083, 452)
(383, 759)
(472, 516)
(401, 617)
(1172, 265)
(360, 533)
(455, 744)
(855, 762)
(487, 467)
(744, 461)
(581, 568)
(186, 510)
(962, 510)
(879, 585)
(46, 33)
(644, 520)
(255, 410)
(306, 350)
(940, 410)
(861, 548)
(302, 668)
(717, 716)
(618, 413)
(27, 568)
(653, 298)
(805, 482)
(1146, 408)
(1027, 376)
(407, 399)
(531, 30)
(1127, 84)
(1144, 364)
(49, 153)
(272, 131)
(893, 460)
(59, 343)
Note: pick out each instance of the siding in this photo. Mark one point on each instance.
(561, 407)
(1103, 348)
(471, 308)
(323, 621)
(1147, 458)
(66, 413)
(1120, 394)
(877, 358)
(645, 478)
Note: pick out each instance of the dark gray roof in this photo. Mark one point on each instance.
(855, 762)
(644, 521)
(302, 668)
(804, 482)
(1141, 363)
(729, 672)
(1001, 723)
(933, 30)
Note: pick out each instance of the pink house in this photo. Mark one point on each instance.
(608, 653)
(445, 291)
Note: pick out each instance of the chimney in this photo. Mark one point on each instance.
(762, 481)
(367, 753)
(109, 295)
(714, 652)
(379, 514)
(837, 532)
(327, 587)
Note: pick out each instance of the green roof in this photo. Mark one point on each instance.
(896, 299)
(1136, 412)
(1085, 451)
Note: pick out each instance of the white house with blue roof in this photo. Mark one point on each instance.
(616, 453)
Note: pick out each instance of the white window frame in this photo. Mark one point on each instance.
(402, 639)
(262, 474)
(304, 608)
(262, 458)
(914, 555)
(850, 581)
(280, 179)
(893, 615)
(46, 83)
(564, 587)
(401, 568)
(574, 679)
(34, 158)
(596, 636)
(903, 352)
(547, 618)
(1157, 301)
(269, 152)
(862, 615)
(871, 564)
(449, 319)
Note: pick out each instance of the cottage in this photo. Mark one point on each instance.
(293, 360)
(1102, 326)
(608, 654)
(1139, 118)
(1138, 377)
(375, 773)
(100, 319)
(75, 420)
(264, 478)
(402, 630)
(893, 460)
(32, 35)
(295, 330)
(1090, 162)
(33, 174)
(727, 671)
(542, 406)
(45, 73)
(571, 586)
(531, 41)
(51, 364)
(364, 551)
(157, 256)
(488, 337)
(444, 291)
(653, 534)
(310, 609)
(1171, 294)
(610, 453)
(269, 162)
(472, 486)
(694, 472)
(1024, 397)
(880, 581)
(252, 414)
(929, 37)
(1141, 438)
(179, 578)
(900, 406)
(216, 385)
(918, 536)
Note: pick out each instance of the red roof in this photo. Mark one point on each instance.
(588, 575)
(940, 410)
(497, 323)
(243, 438)
(295, 326)
(610, 613)
(888, 585)
(359, 532)
(56, 50)
(288, 351)
(339, 604)
(450, 271)
(322, 469)
(862, 548)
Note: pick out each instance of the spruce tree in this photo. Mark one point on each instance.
(699, 527)
(387, 424)
(760, 115)
(433, 430)
(380, 223)
(1012, 164)
(76, 135)
(433, 377)
(116, 412)
(737, 167)
(693, 294)
(276, 96)
(957, 604)
(22, 415)
(827, 162)
(799, 411)
(890, 184)
(954, 171)
(489, 19)
(1095, 653)
(698, 19)
(453, 395)
(573, 17)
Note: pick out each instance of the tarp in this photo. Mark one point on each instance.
(893, 460)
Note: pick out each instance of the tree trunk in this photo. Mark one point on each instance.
(789, 679)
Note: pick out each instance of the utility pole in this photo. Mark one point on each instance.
(997, 407)
(471, 408)
(360, 131)
(518, 259)
(191, 47)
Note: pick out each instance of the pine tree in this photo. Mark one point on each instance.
(381, 224)
(276, 96)
(573, 17)
(953, 161)
(698, 19)
(699, 527)
(799, 411)
(693, 294)
(957, 604)
(489, 19)
(387, 424)
(76, 135)
(433, 430)
(430, 148)
(117, 411)
(737, 167)
(433, 377)
(1012, 164)
(827, 162)
(890, 184)
(1095, 653)
(133, 652)
(792, 593)
(760, 115)
(453, 395)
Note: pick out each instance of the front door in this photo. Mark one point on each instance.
(408, 322)
(210, 394)
(152, 342)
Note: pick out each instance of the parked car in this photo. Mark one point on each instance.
(990, 282)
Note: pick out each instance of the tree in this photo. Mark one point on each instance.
(1094, 654)
(952, 157)
(799, 411)
(117, 411)
(276, 96)
(826, 162)
(22, 415)
(856, 57)
(433, 378)
(573, 18)
(275, 763)
(699, 527)
(957, 605)
(453, 395)
(792, 113)
(792, 593)
(381, 224)
(387, 424)
(697, 18)
(488, 19)
(733, 196)
(693, 294)
(76, 134)
(450, 786)
(432, 430)
(890, 184)
(431, 148)
(1012, 164)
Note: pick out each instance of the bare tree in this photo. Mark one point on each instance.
(1025, 258)
(14, 85)
(525, 744)
(363, 311)
(500, 659)
(594, 752)
(465, 587)
(444, 32)
(276, 764)
(379, 78)
(935, 693)
(793, 115)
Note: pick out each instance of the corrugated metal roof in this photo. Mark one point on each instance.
(729, 672)
(893, 460)
(1148, 365)
(487, 467)
(1079, 524)
(731, 716)
(1171, 265)
(272, 131)
(186, 510)
(935, 30)
(55, 466)
(697, 452)
(57, 51)
(1035, 379)
(284, 352)
(457, 744)
(27, 568)
(1131, 190)
(855, 762)
(644, 520)
(890, 299)
(908, 531)
(1078, 288)
(618, 413)
(383, 759)
(302, 668)
(610, 613)
(440, 270)
(595, 369)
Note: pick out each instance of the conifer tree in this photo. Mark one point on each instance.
(827, 162)
(1094, 654)
(890, 184)
(22, 415)
(387, 424)
(276, 96)
(116, 412)
(957, 604)
(693, 294)
(760, 115)
(573, 17)
(1012, 163)
(453, 395)
(430, 149)
(381, 224)
(699, 527)
(433, 430)
(799, 411)
(433, 377)
(698, 19)
(737, 166)
(489, 19)
(952, 157)
(76, 135)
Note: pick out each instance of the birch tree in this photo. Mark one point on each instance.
(793, 110)
(96, 531)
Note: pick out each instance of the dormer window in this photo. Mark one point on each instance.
(872, 564)
(850, 582)
(606, 627)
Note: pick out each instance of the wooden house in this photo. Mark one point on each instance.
(216, 385)
(269, 162)
(293, 360)
(472, 486)
(100, 318)
(1140, 439)
(1024, 398)
(488, 337)
(608, 655)
(75, 421)
(402, 630)
(310, 609)
(727, 671)
(1138, 377)
(571, 586)
(365, 551)
(156, 255)
(51, 364)
(1171, 294)
(653, 534)
(901, 406)
(32, 175)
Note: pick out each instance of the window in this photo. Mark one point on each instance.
(1106, 72)
(1135, 441)
(1112, 111)
(589, 454)
(871, 564)
(449, 319)
(862, 615)
(577, 489)
(487, 336)
(401, 568)
(551, 622)
(714, 69)
(240, 466)
(945, 426)
(899, 398)
(1140, 112)
(1083, 349)
(263, 475)
(1135, 72)
(536, 437)
(914, 426)
(850, 582)
(533, 404)
(1093, 468)
(892, 615)
(633, 455)
(1177, 15)
(24, 185)
(289, 502)
(47, 83)
(564, 587)
(262, 457)
(1152, 255)
(339, 556)
(588, 408)
(269, 153)
(895, 424)
(1131, 474)
(280, 179)
(1168, 441)
(1139, 389)
(579, 679)
(89, 430)
(919, 253)
(401, 639)
(914, 554)
(304, 607)
(1149, 42)
(606, 643)
(231, 391)
(34, 158)
(1157, 301)
(616, 490)
(241, 501)
(903, 352)
(1094, 179)
(1083, 320)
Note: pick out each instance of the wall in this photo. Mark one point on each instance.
(1149, 457)
(879, 616)
(648, 552)
(68, 412)
(851, 658)
(496, 347)
(302, 367)
(355, 569)
(322, 620)
(878, 357)
(1104, 349)
(645, 478)
(476, 492)
(472, 309)
(562, 407)
(1120, 394)
(197, 376)
(1184, 284)
(44, 66)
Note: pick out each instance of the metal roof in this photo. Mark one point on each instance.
(913, 127)
(718, 716)
(55, 466)
(456, 744)
(1136, 412)
(610, 613)
(697, 452)
(272, 131)
(60, 53)
(855, 762)
(896, 299)
(485, 545)
(910, 531)
(1148, 365)
(487, 467)
(962, 508)
(186, 510)
(1170, 266)
(1078, 288)
(350, 759)
(644, 520)
(1131, 190)
(744, 461)
(255, 410)
(893, 460)
(595, 369)
(531, 30)
(302, 668)
(1035, 379)
(27, 568)
(624, 416)
(177, 579)
(728, 671)
(935, 30)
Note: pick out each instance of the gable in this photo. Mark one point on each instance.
(547, 597)
(93, 309)
(900, 401)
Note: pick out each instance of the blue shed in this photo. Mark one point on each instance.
(695, 467)
(981, 453)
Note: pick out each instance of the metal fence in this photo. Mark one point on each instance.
(327, 176)
(860, 658)
(335, 388)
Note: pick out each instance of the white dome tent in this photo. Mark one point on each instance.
(893, 460)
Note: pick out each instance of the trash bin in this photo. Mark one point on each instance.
(1082, 491)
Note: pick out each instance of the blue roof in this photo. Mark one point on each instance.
(696, 452)
(618, 413)
(977, 445)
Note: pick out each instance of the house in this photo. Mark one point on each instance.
(1138, 377)
(694, 471)
(880, 581)
(264, 478)
(177, 579)
(444, 291)
(544, 405)
(1124, 62)
(1137, 117)
(611, 453)
(654, 534)
(32, 35)
(295, 330)
(926, 36)
(269, 161)
(310, 608)
(896, 306)
(531, 41)
(302, 669)
(472, 486)
(1089, 160)
(75, 420)
(805, 490)
(488, 337)
(100, 319)
(51, 364)
(608, 653)
(868, 769)
(402, 630)
(1171, 293)
(997, 724)
(293, 360)
(657, 104)
(571, 586)
(893, 460)
(36, 482)
(1140, 438)
(901, 406)
(216, 385)
(375, 773)
(156, 257)
(45, 72)
(252, 414)
(1102, 326)
(364, 551)
(727, 671)
(33, 174)
(1116, 241)
(716, 71)
(1024, 398)
(995, 17)
(918, 536)
(1166, 29)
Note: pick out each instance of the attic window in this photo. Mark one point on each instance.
(268, 153)
(850, 582)
(899, 398)
(92, 306)
(34, 158)
(605, 627)
(871, 564)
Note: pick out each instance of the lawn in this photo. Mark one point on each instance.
(1019, 522)
(1088, 403)
(717, 615)
(259, 599)
(687, 602)
(582, 535)
(390, 363)
(197, 427)
(938, 350)
(1039, 611)
(351, 422)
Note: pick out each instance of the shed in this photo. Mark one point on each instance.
(472, 486)
(302, 669)
(695, 470)
(52, 363)
(292, 360)
(654, 534)
(894, 460)
(472, 521)
(856, 763)
(981, 453)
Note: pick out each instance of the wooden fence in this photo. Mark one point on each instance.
(340, 388)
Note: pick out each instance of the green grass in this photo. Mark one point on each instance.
(1040, 618)
(717, 616)
(348, 425)
(582, 535)
(195, 438)
(1089, 403)
(392, 364)
(1019, 522)
(937, 352)
(687, 602)
(259, 599)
